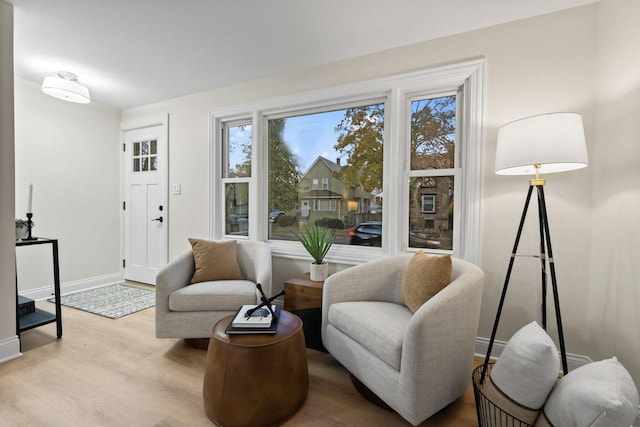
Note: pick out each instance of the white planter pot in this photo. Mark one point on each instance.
(319, 272)
(22, 232)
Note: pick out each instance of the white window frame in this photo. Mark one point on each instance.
(331, 202)
(395, 91)
(455, 171)
(314, 184)
(431, 197)
(325, 183)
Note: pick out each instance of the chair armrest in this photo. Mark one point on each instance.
(254, 258)
(447, 325)
(262, 265)
(175, 275)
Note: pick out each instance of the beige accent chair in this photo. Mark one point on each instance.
(415, 363)
(185, 310)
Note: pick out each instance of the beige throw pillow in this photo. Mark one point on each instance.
(425, 276)
(215, 260)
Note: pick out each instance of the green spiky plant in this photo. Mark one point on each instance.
(317, 241)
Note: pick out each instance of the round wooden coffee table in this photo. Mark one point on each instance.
(256, 380)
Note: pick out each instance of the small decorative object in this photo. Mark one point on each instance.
(265, 302)
(21, 224)
(317, 242)
(23, 228)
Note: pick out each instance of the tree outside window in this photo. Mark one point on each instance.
(334, 163)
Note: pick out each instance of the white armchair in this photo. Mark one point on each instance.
(417, 363)
(185, 310)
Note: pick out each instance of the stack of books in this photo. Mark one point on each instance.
(260, 322)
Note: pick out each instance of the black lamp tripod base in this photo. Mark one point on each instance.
(546, 257)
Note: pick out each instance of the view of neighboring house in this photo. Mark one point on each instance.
(323, 195)
(431, 212)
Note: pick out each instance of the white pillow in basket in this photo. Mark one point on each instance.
(525, 373)
(599, 394)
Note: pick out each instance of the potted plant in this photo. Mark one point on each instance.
(22, 228)
(317, 242)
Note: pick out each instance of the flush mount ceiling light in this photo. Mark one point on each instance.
(64, 85)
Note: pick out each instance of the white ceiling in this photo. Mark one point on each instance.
(135, 52)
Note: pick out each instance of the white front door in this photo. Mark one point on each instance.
(145, 199)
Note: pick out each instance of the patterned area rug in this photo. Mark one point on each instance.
(111, 301)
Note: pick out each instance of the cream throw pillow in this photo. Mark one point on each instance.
(425, 276)
(215, 260)
(525, 373)
(599, 394)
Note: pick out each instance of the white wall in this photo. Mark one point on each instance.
(614, 288)
(9, 345)
(70, 152)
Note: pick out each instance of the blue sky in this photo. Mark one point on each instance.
(311, 136)
(307, 137)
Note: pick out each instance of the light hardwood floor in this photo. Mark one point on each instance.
(106, 372)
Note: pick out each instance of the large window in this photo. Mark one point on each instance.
(386, 157)
(322, 166)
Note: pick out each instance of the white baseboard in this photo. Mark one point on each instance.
(482, 345)
(9, 349)
(68, 288)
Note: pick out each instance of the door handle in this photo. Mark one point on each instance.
(158, 219)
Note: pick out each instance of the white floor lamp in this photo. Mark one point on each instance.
(546, 143)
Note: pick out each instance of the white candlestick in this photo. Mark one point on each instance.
(29, 208)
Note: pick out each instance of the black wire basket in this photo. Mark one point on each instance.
(489, 414)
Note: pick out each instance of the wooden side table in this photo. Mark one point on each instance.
(303, 297)
(256, 380)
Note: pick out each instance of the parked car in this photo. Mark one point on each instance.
(367, 234)
(419, 240)
(276, 213)
(370, 234)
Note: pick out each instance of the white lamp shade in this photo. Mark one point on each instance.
(554, 141)
(65, 86)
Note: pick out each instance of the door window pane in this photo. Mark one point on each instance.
(326, 169)
(144, 156)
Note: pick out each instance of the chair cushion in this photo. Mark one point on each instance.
(377, 326)
(599, 394)
(219, 295)
(215, 260)
(424, 277)
(525, 373)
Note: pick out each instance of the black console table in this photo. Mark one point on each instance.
(40, 317)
